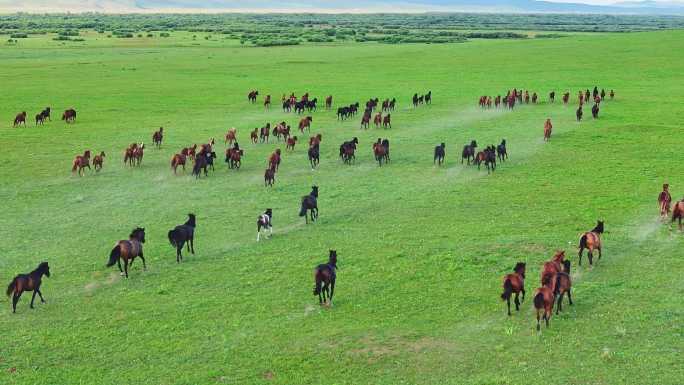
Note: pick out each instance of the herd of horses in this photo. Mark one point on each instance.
(69, 116)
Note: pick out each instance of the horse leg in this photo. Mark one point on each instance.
(559, 307)
(599, 250)
(591, 257)
(143, 260)
(538, 326)
(15, 300)
(508, 304)
(126, 267)
(580, 255)
(118, 261)
(178, 253)
(258, 232)
(332, 290)
(41, 295)
(192, 245)
(517, 303)
(570, 296)
(325, 291)
(523, 294)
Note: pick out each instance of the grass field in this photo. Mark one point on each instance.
(422, 249)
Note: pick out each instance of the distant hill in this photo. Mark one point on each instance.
(494, 6)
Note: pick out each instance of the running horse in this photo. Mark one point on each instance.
(128, 250)
(274, 160)
(69, 115)
(514, 283)
(324, 276)
(158, 137)
(547, 130)
(28, 282)
(678, 213)
(664, 201)
(252, 96)
(591, 241)
(81, 162)
(19, 119)
(231, 136)
(98, 161)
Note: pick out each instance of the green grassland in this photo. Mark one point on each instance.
(422, 249)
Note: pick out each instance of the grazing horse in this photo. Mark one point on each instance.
(98, 161)
(157, 137)
(595, 111)
(265, 132)
(563, 285)
(81, 162)
(305, 124)
(664, 201)
(274, 159)
(314, 155)
(128, 251)
(20, 118)
(328, 102)
(267, 101)
(178, 160)
(291, 141)
(678, 213)
(544, 298)
(69, 115)
(552, 96)
(254, 136)
(591, 241)
(514, 283)
(324, 276)
(469, 152)
(28, 282)
(501, 151)
(265, 221)
(252, 96)
(387, 121)
(579, 113)
(548, 127)
(269, 176)
(183, 234)
(231, 136)
(439, 154)
(379, 152)
(310, 203)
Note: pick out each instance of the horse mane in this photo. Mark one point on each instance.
(566, 266)
(191, 220)
(599, 228)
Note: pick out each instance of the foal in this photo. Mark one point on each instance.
(514, 283)
(28, 282)
(182, 234)
(324, 276)
(265, 221)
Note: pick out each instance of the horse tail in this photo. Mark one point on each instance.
(508, 289)
(114, 256)
(539, 301)
(74, 166)
(302, 211)
(317, 287)
(172, 238)
(583, 242)
(556, 289)
(10, 288)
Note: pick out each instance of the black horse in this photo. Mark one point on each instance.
(202, 164)
(28, 282)
(595, 111)
(182, 234)
(325, 275)
(579, 113)
(469, 152)
(439, 154)
(265, 221)
(428, 98)
(386, 145)
(501, 152)
(314, 155)
(310, 203)
(490, 158)
(347, 150)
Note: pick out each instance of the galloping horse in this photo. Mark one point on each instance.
(20, 118)
(347, 150)
(387, 121)
(157, 137)
(252, 96)
(378, 119)
(379, 152)
(439, 154)
(128, 251)
(310, 203)
(265, 132)
(664, 201)
(324, 276)
(469, 151)
(265, 221)
(269, 176)
(305, 124)
(501, 151)
(554, 266)
(547, 130)
(595, 111)
(267, 101)
(544, 298)
(514, 283)
(678, 213)
(69, 115)
(28, 282)
(563, 285)
(254, 135)
(579, 113)
(231, 136)
(183, 234)
(328, 102)
(274, 159)
(291, 141)
(178, 160)
(81, 162)
(98, 161)
(314, 154)
(591, 241)
(552, 96)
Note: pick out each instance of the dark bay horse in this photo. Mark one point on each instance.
(677, 214)
(664, 201)
(439, 154)
(324, 276)
(183, 234)
(69, 115)
(158, 137)
(544, 298)
(563, 285)
(20, 118)
(98, 161)
(314, 155)
(310, 203)
(128, 251)
(28, 282)
(265, 221)
(379, 152)
(469, 151)
(591, 241)
(501, 151)
(514, 283)
(269, 176)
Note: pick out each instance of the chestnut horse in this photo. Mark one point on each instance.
(377, 120)
(69, 115)
(664, 201)
(274, 160)
(128, 251)
(544, 298)
(677, 214)
(267, 101)
(553, 267)
(179, 160)
(20, 118)
(324, 276)
(379, 152)
(563, 285)
(254, 136)
(269, 176)
(98, 161)
(230, 136)
(291, 141)
(547, 130)
(157, 137)
(591, 241)
(328, 102)
(305, 124)
(28, 282)
(514, 283)
(81, 162)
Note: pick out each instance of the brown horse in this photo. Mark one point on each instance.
(20, 118)
(269, 176)
(328, 102)
(137, 154)
(254, 135)
(98, 161)
(234, 157)
(231, 136)
(553, 267)
(291, 141)
(514, 283)
(365, 120)
(377, 120)
(267, 101)
(566, 98)
(305, 124)
(315, 140)
(157, 137)
(324, 276)
(128, 251)
(28, 282)
(380, 152)
(387, 121)
(252, 96)
(265, 132)
(563, 285)
(178, 160)
(274, 160)
(128, 154)
(664, 201)
(678, 213)
(544, 298)
(591, 241)
(69, 115)
(40, 118)
(81, 162)
(547, 130)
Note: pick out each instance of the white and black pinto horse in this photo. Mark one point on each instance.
(265, 222)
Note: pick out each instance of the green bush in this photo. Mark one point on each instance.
(19, 36)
